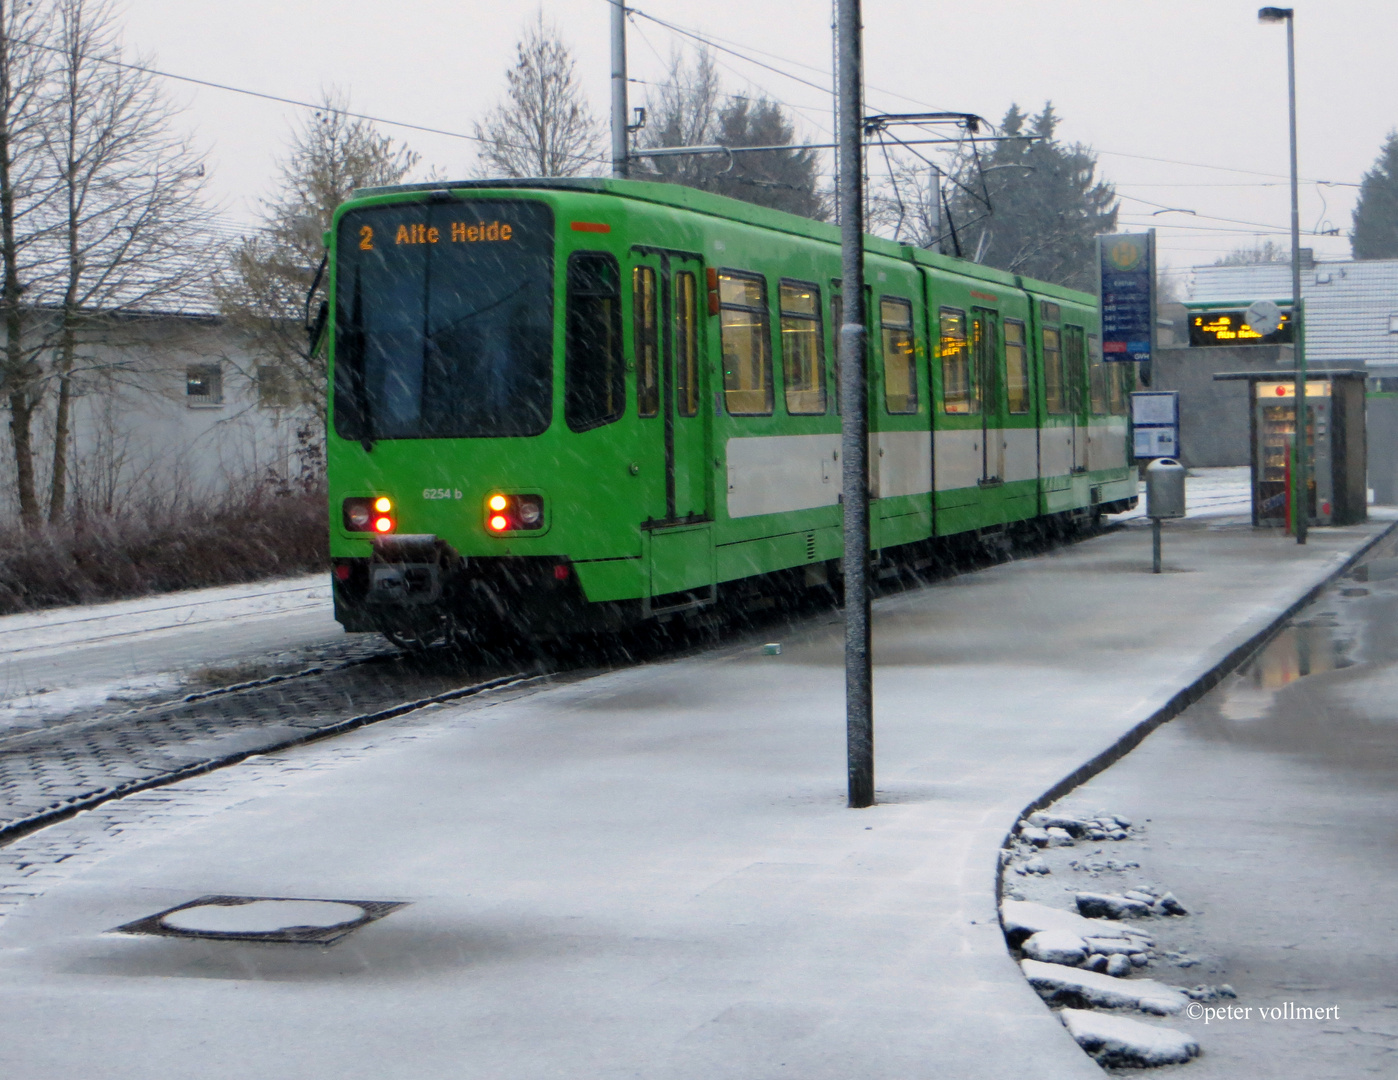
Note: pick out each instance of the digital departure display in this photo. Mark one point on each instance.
(1228, 328)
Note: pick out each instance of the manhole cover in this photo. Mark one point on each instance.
(263, 918)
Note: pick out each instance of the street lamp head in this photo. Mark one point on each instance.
(1273, 14)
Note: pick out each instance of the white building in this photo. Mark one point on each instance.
(1351, 306)
(169, 404)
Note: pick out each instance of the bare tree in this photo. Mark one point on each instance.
(264, 293)
(544, 126)
(1262, 251)
(130, 195)
(26, 192)
(693, 110)
(684, 112)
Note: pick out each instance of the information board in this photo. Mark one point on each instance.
(1126, 285)
(1155, 424)
(1229, 328)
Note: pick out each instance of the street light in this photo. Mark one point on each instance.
(1300, 501)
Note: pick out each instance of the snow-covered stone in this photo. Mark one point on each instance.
(1112, 946)
(1137, 894)
(1071, 825)
(1096, 962)
(1037, 837)
(1055, 947)
(1139, 959)
(1036, 865)
(1074, 986)
(1119, 1041)
(1119, 965)
(1210, 993)
(1024, 917)
(1107, 906)
(1171, 906)
(1058, 837)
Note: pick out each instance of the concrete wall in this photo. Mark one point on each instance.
(1383, 448)
(1214, 423)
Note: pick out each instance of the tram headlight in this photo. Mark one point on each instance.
(513, 513)
(368, 514)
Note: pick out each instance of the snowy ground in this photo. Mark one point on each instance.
(647, 873)
(72, 660)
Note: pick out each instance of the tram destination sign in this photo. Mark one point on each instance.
(1126, 285)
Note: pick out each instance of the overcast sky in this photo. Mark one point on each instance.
(1199, 84)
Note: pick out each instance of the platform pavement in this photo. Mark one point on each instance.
(649, 873)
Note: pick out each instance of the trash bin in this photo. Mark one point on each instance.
(1165, 489)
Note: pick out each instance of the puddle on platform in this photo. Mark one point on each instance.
(1345, 720)
(1308, 646)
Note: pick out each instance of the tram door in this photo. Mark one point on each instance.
(669, 292)
(985, 353)
(1075, 369)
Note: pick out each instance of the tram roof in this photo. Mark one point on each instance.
(706, 202)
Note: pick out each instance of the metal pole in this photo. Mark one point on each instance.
(1155, 544)
(854, 414)
(835, 107)
(1302, 500)
(619, 141)
(937, 201)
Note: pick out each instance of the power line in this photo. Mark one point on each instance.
(265, 96)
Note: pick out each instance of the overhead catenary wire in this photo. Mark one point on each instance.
(282, 100)
(720, 45)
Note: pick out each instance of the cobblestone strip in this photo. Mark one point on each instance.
(45, 775)
(43, 858)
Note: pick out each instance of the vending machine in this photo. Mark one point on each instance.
(1335, 445)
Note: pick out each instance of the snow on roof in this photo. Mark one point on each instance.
(1349, 304)
(195, 265)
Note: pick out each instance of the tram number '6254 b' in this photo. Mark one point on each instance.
(441, 493)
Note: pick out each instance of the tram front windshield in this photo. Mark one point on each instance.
(444, 321)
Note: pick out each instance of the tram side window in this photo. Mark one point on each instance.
(686, 344)
(645, 319)
(594, 384)
(803, 353)
(1074, 365)
(899, 359)
(1016, 368)
(747, 344)
(959, 394)
(1099, 377)
(1055, 399)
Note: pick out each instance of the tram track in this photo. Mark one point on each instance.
(76, 764)
(46, 776)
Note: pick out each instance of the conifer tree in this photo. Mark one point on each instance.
(1375, 231)
(1034, 205)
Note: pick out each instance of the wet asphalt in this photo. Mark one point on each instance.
(1270, 808)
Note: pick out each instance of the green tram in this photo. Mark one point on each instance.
(569, 404)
